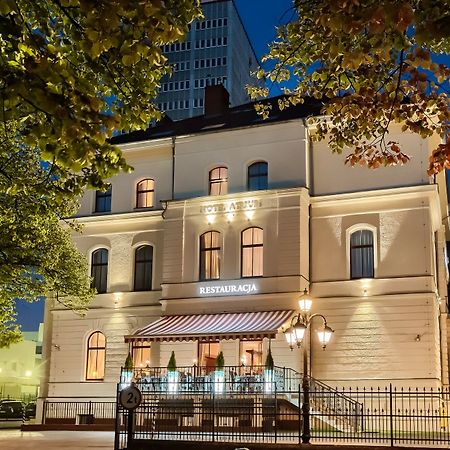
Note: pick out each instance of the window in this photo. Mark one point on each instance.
(210, 255)
(361, 254)
(143, 266)
(218, 181)
(103, 200)
(207, 354)
(140, 352)
(145, 191)
(251, 355)
(252, 252)
(96, 349)
(257, 176)
(99, 270)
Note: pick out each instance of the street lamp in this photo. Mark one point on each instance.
(295, 335)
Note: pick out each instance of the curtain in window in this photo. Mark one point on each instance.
(145, 191)
(140, 351)
(210, 255)
(96, 351)
(143, 266)
(103, 200)
(257, 176)
(99, 270)
(218, 181)
(361, 254)
(252, 252)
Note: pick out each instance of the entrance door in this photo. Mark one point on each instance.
(207, 354)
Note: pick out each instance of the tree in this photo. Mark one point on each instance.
(372, 63)
(72, 73)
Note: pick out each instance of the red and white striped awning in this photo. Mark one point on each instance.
(248, 325)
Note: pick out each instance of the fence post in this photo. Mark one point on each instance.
(276, 414)
(300, 417)
(390, 415)
(44, 412)
(213, 414)
(117, 422)
(130, 428)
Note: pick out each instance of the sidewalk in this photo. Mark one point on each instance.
(56, 440)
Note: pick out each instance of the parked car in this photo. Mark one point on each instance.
(30, 410)
(11, 409)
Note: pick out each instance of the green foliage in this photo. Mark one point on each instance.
(128, 363)
(172, 364)
(269, 360)
(72, 73)
(220, 361)
(371, 61)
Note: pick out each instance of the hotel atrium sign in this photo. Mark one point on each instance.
(230, 207)
(228, 289)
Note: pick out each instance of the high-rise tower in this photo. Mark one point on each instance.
(217, 50)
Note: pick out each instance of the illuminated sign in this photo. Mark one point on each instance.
(233, 289)
(230, 207)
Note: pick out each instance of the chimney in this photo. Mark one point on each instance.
(217, 100)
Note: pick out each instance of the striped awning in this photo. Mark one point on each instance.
(248, 325)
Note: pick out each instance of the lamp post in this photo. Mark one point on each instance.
(295, 335)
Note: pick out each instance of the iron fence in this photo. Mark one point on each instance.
(79, 411)
(382, 416)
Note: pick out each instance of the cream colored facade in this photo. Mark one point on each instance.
(390, 328)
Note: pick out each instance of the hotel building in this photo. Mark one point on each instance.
(226, 219)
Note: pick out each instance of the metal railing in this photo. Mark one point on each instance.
(385, 417)
(79, 411)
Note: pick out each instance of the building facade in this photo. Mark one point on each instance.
(216, 51)
(208, 244)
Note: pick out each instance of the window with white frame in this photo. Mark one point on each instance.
(145, 191)
(252, 252)
(95, 357)
(210, 256)
(99, 270)
(362, 254)
(218, 181)
(143, 268)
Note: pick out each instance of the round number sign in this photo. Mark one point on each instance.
(130, 397)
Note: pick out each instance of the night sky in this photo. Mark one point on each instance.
(260, 18)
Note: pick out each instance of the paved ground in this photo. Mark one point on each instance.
(56, 440)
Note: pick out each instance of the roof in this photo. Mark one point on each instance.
(236, 117)
(246, 325)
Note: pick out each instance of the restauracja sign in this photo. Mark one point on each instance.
(248, 288)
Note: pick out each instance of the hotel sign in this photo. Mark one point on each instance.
(228, 289)
(230, 207)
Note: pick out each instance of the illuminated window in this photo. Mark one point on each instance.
(251, 355)
(210, 255)
(99, 270)
(96, 350)
(207, 354)
(218, 181)
(103, 200)
(140, 351)
(252, 252)
(145, 192)
(361, 254)
(143, 267)
(257, 176)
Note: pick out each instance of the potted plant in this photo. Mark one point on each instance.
(219, 374)
(172, 375)
(127, 370)
(268, 373)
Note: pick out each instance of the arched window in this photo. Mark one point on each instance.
(103, 200)
(361, 254)
(218, 181)
(96, 350)
(257, 176)
(99, 270)
(145, 192)
(140, 351)
(252, 252)
(143, 267)
(210, 255)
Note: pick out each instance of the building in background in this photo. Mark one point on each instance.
(217, 50)
(20, 367)
(208, 244)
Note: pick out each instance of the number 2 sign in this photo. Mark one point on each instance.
(130, 397)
